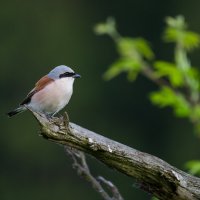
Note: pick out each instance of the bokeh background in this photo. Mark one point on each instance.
(36, 36)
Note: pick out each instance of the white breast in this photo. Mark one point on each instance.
(53, 97)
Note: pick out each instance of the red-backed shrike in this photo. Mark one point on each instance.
(51, 93)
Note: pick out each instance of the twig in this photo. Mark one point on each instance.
(80, 164)
(111, 187)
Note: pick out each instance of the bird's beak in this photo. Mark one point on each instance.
(76, 76)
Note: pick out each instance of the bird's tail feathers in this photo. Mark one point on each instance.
(16, 111)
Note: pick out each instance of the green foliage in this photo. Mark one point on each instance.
(176, 31)
(132, 54)
(136, 55)
(178, 80)
(193, 166)
(123, 65)
(170, 71)
(132, 51)
(167, 97)
(109, 28)
(135, 48)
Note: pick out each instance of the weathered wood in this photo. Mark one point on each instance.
(153, 174)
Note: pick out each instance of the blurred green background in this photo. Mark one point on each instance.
(36, 36)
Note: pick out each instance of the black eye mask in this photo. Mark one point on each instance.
(67, 74)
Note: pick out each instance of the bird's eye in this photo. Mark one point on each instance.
(67, 74)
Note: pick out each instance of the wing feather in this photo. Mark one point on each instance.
(44, 81)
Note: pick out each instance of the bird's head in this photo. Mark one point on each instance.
(62, 71)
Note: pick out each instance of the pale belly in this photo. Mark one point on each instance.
(53, 97)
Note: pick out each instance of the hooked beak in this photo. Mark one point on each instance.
(76, 76)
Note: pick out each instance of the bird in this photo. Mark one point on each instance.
(50, 94)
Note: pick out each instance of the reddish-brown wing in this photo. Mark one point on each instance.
(38, 86)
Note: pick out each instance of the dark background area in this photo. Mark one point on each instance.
(36, 36)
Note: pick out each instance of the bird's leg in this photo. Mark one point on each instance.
(66, 120)
(49, 117)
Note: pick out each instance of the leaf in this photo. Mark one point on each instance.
(170, 71)
(163, 97)
(144, 48)
(167, 97)
(105, 28)
(135, 48)
(176, 22)
(176, 31)
(181, 107)
(188, 39)
(191, 40)
(123, 65)
(193, 166)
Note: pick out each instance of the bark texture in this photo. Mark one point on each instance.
(153, 174)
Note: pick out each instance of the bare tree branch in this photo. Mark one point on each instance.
(80, 164)
(111, 187)
(154, 175)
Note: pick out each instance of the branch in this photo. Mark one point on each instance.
(154, 175)
(80, 164)
(113, 188)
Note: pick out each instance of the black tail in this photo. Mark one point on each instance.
(16, 111)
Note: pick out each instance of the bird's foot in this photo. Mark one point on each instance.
(55, 120)
(62, 121)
